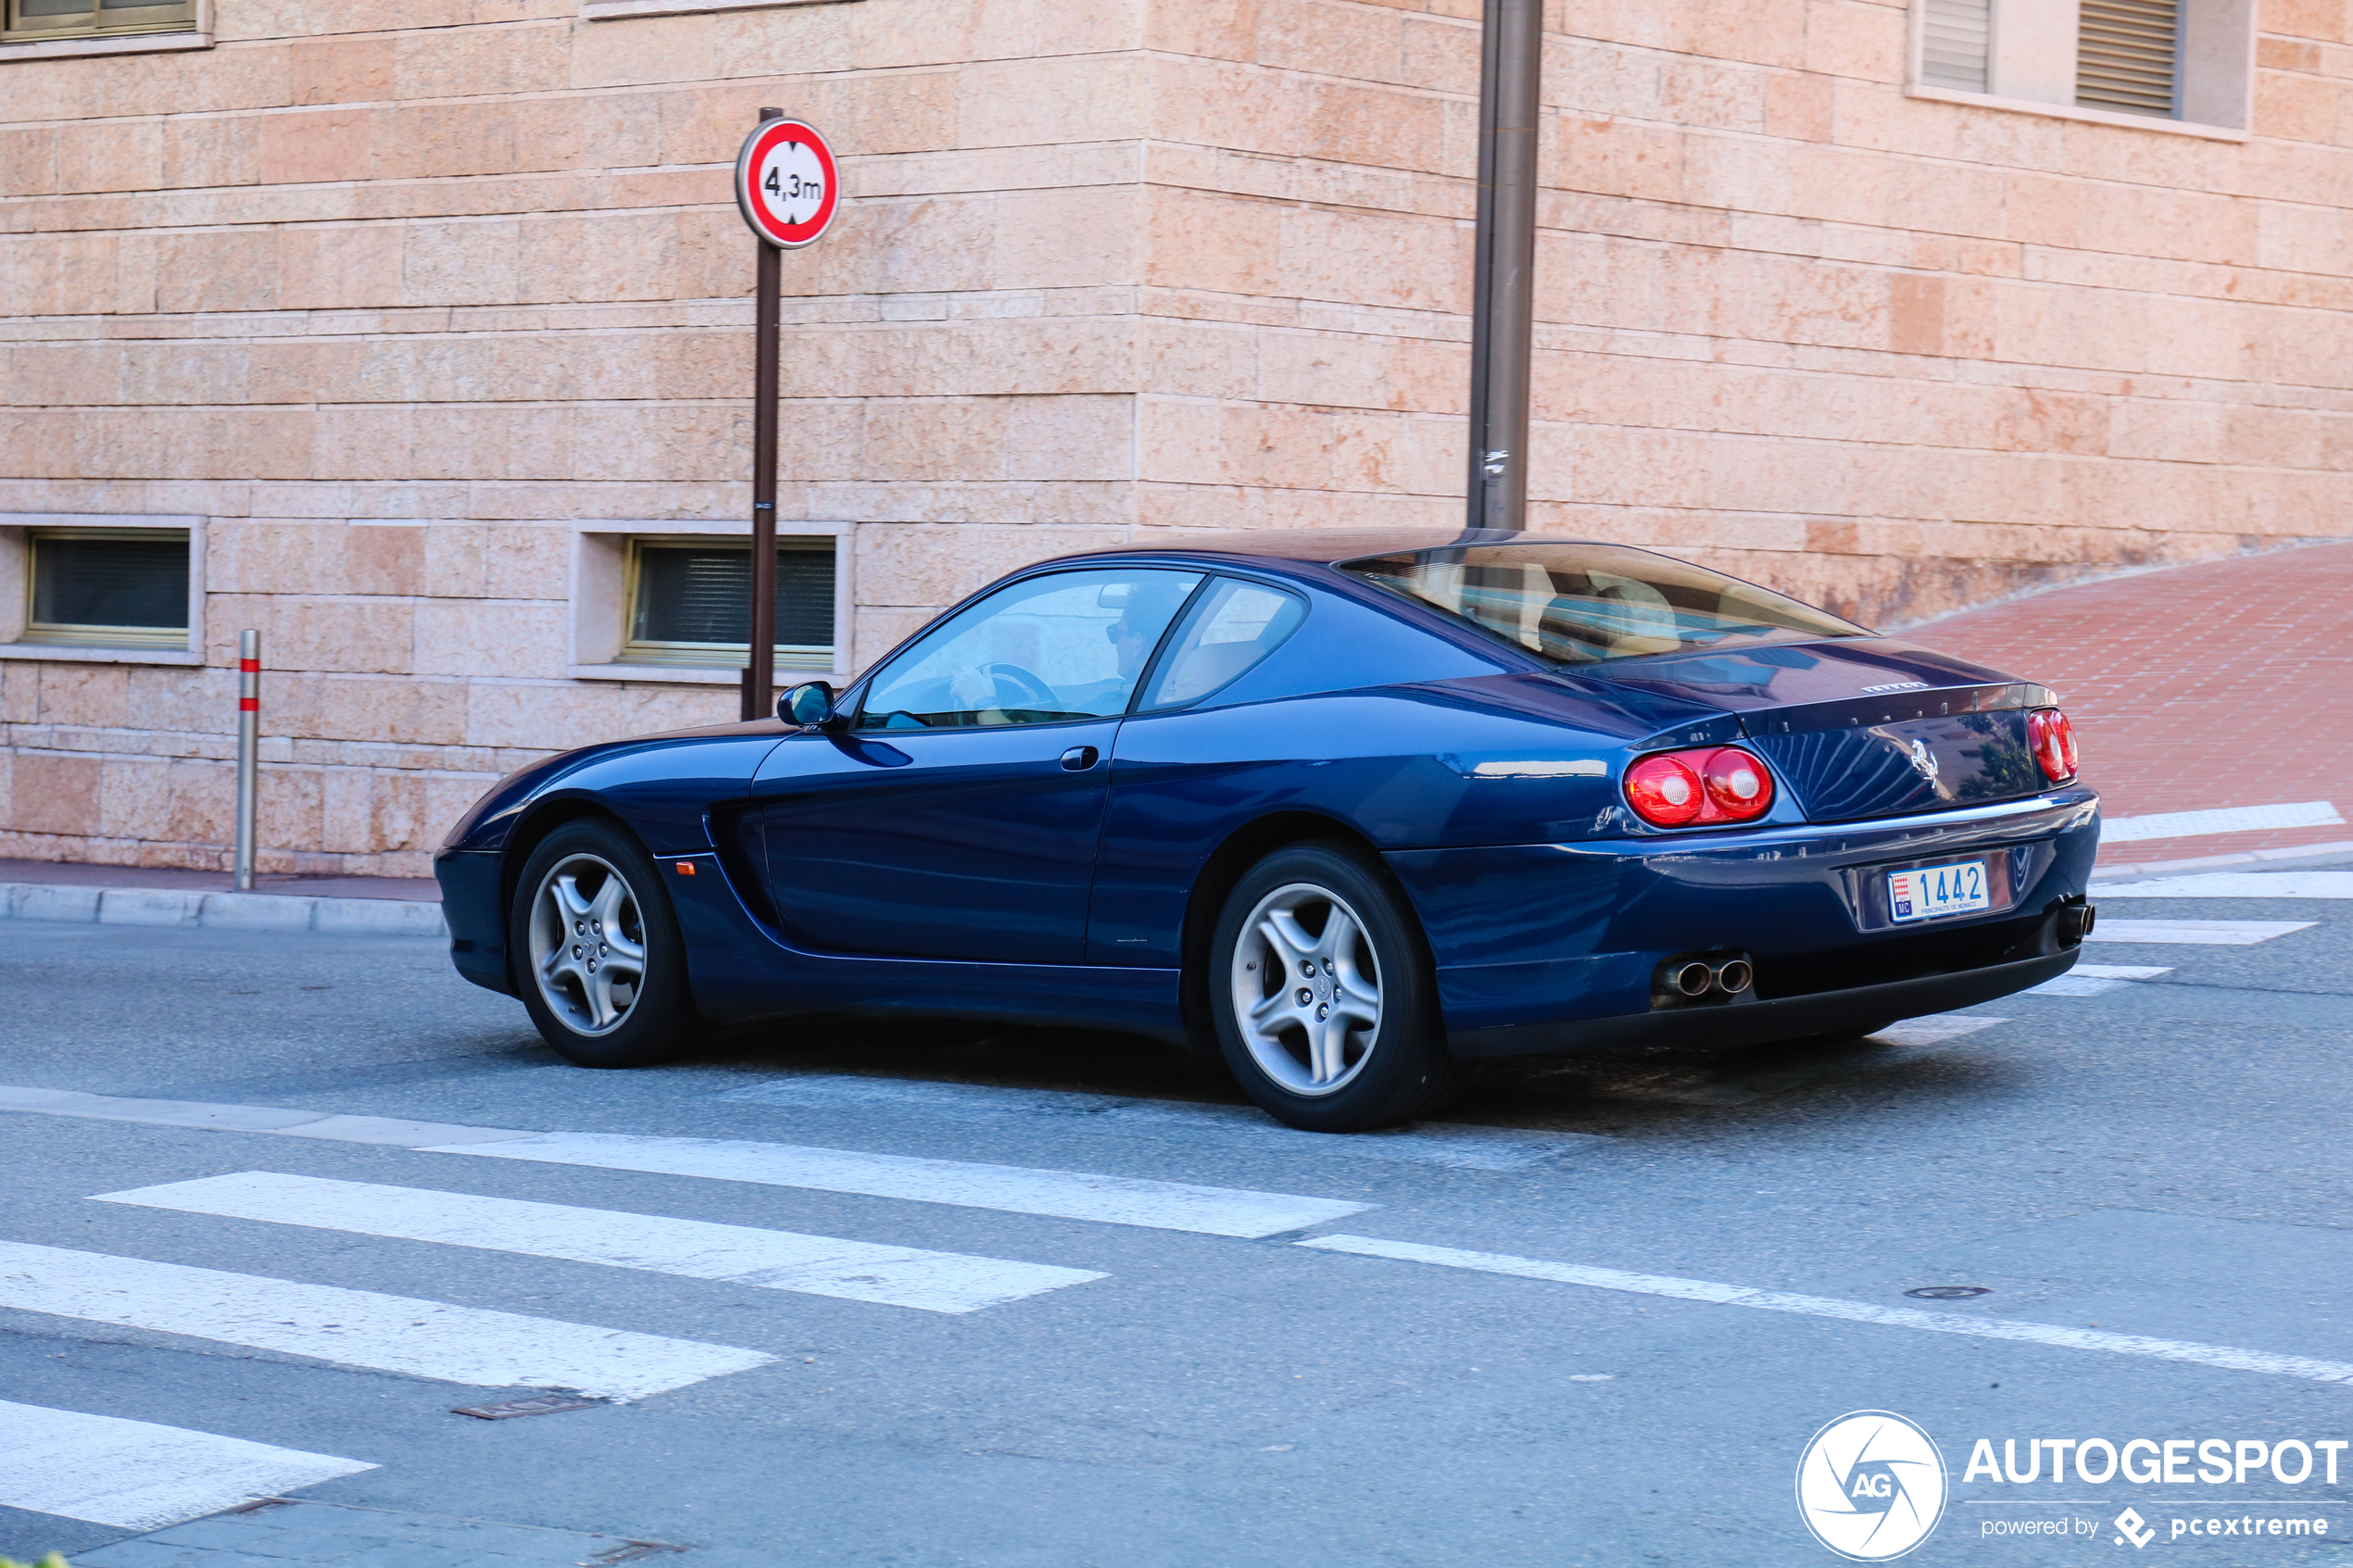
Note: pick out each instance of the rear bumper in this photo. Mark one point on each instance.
(1789, 1018)
(1550, 948)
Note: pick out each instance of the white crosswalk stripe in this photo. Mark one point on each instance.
(137, 1475)
(2195, 933)
(2228, 819)
(816, 1265)
(2236, 885)
(1017, 1189)
(362, 1328)
(1934, 1029)
(1223, 1126)
(1711, 1291)
(2096, 979)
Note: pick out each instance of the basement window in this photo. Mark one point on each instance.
(690, 602)
(107, 588)
(31, 21)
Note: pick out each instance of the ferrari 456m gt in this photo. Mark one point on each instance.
(1354, 809)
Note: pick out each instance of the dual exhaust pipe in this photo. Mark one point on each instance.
(1699, 981)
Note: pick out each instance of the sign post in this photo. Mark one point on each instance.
(788, 189)
(1503, 308)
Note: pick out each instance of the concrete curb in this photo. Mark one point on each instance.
(220, 911)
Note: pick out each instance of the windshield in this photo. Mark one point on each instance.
(1580, 604)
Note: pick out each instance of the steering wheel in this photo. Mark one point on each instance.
(1036, 693)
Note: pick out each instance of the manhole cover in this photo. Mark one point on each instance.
(1950, 1292)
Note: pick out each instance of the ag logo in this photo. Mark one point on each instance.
(1870, 1485)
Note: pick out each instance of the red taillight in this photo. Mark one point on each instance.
(1665, 792)
(2052, 739)
(1707, 785)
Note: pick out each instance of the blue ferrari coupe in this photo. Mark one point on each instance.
(1354, 809)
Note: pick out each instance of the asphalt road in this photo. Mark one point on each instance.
(2164, 1161)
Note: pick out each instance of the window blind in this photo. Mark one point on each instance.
(126, 587)
(1956, 43)
(2128, 56)
(698, 595)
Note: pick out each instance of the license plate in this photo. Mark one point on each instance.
(1931, 891)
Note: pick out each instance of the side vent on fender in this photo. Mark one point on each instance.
(743, 855)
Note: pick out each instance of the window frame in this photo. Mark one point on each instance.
(731, 657)
(16, 585)
(2214, 68)
(599, 606)
(1198, 605)
(1205, 576)
(189, 25)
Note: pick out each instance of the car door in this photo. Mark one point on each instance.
(956, 814)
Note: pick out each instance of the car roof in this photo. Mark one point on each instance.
(1322, 546)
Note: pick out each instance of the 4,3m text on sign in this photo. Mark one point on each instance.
(787, 183)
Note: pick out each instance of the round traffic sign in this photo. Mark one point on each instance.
(787, 183)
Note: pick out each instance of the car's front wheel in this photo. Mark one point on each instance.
(596, 951)
(1324, 1001)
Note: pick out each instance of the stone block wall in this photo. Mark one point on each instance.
(399, 298)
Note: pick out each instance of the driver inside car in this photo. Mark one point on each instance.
(1149, 607)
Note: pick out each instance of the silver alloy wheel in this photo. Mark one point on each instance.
(1306, 989)
(588, 945)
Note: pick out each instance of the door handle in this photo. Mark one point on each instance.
(1079, 758)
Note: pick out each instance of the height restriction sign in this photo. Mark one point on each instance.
(787, 184)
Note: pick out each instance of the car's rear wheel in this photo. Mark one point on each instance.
(1322, 992)
(597, 952)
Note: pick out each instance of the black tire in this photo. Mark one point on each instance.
(657, 1020)
(1392, 1069)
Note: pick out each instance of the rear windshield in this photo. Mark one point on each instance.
(1580, 604)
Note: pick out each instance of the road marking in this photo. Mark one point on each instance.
(2236, 885)
(2229, 819)
(1067, 1195)
(2195, 933)
(396, 1333)
(2225, 1356)
(136, 1475)
(2094, 979)
(813, 1265)
(1936, 1028)
(1225, 1126)
(247, 1119)
(1071, 1195)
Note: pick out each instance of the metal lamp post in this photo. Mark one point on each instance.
(1503, 301)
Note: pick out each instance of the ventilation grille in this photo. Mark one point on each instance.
(1956, 44)
(2128, 56)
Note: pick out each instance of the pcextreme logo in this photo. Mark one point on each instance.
(1870, 1485)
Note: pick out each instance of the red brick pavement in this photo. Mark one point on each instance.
(2225, 684)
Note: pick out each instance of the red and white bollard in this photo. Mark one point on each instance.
(248, 750)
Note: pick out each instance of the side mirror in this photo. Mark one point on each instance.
(807, 704)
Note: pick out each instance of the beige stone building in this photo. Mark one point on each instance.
(418, 336)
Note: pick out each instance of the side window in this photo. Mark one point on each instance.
(1070, 645)
(1234, 625)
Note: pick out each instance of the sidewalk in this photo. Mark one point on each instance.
(2228, 684)
(411, 889)
(342, 906)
